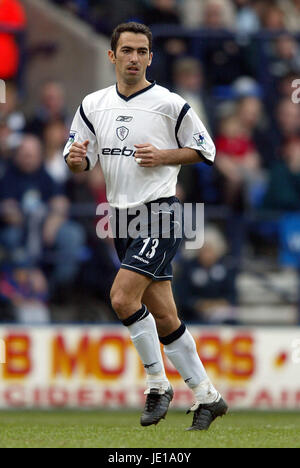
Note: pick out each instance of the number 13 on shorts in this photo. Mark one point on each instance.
(153, 247)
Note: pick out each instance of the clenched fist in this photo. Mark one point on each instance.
(76, 159)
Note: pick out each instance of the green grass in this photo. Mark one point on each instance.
(120, 429)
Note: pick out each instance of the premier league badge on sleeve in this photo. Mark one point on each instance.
(199, 139)
(122, 133)
(72, 137)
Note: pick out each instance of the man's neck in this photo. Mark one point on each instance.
(129, 89)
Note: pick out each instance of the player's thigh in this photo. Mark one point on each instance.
(127, 292)
(159, 299)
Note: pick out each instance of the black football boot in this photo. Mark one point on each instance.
(156, 406)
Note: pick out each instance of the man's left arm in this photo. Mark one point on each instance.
(194, 144)
(150, 156)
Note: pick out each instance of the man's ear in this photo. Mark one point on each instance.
(111, 56)
(150, 59)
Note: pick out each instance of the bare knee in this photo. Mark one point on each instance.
(123, 305)
(167, 323)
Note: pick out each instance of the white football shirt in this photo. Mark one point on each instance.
(114, 123)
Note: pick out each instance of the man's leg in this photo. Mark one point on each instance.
(178, 343)
(180, 348)
(126, 298)
(158, 297)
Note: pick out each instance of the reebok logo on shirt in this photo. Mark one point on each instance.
(118, 151)
(124, 118)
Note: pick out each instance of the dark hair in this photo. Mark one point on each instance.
(137, 28)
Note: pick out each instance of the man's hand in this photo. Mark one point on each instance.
(147, 155)
(76, 159)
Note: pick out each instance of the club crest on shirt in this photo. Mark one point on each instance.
(199, 139)
(122, 133)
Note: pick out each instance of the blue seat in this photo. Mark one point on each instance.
(289, 240)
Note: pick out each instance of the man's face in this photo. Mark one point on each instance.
(132, 57)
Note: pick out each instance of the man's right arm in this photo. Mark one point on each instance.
(77, 158)
(81, 149)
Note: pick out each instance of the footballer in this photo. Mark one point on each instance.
(142, 134)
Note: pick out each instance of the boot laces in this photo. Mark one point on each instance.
(151, 401)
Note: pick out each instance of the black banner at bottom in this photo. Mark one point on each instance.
(148, 457)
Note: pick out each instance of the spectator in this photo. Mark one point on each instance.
(286, 125)
(5, 147)
(162, 12)
(291, 9)
(237, 161)
(221, 55)
(25, 290)
(247, 19)
(286, 58)
(285, 86)
(12, 115)
(273, 18)
(55, 135)
(52, 107)
(255, 124)
(87, 191)
(35, 216)
(283, 58)
(208, 13)
(105, 15)
(245, 86)
(283, 191)
(167, 49)
(217, 15)
(12, 22)
(12, 123)
(205, 285)
(188, 79)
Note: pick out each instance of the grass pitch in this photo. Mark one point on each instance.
(121, 429)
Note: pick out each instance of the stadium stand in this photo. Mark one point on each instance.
(236, 65)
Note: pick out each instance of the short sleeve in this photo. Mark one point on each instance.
(191, 133)
(82, 129)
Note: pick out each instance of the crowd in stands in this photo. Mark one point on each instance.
(46, 247)
(246, 16)
(49, 251)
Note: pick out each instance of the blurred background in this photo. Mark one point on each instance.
(235, 62)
